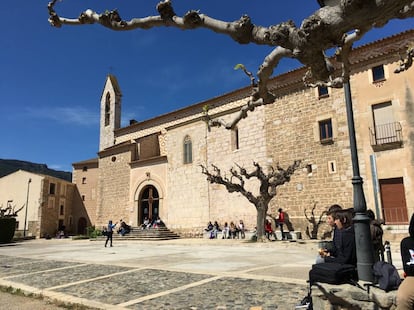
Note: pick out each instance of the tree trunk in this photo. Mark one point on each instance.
(261, 216)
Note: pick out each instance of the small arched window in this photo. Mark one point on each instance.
(107, 108)
(188, 150)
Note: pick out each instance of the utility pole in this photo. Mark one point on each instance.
(27, 206)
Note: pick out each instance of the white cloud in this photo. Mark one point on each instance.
(65, 115)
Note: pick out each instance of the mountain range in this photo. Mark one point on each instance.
(8, 166)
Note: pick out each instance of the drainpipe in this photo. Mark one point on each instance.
(375, 184)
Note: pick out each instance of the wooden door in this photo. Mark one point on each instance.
(394, 208)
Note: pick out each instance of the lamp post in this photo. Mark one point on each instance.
(27, 206)
(364, 248)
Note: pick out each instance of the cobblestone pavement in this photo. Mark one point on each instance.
(178, 274)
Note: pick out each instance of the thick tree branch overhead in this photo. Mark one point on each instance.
(337, 24)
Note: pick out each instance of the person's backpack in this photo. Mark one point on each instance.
(386, 275)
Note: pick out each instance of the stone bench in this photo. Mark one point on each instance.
(347, 296)
(289, 235)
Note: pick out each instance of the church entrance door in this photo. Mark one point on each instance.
(148, 204)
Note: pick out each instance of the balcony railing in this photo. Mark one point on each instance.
(386, 136)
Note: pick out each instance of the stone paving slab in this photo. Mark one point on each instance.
(229, 293)
(181, 274)
(62, 276)
(133, 285)
(24, 267)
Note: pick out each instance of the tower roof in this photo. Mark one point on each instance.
(114, 82)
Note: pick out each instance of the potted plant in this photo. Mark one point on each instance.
(8, 222)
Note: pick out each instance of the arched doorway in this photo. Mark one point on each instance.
(148, 204)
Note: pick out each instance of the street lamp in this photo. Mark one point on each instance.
(27, 206)
(364, 248)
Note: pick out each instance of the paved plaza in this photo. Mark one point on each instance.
(176, 274)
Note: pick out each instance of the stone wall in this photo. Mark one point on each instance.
(113, 186)
(279, 133)
(86, 181)
(293, 134)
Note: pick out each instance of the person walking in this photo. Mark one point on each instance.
(109, 233)
(405, 293)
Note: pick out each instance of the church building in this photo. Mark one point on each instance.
(151, 168)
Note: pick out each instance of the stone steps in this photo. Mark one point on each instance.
(137, 233)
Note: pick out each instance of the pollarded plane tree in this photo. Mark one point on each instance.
(336, 25)
(268, 183)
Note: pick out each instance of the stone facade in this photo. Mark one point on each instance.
(51, 203)
(145, 169)
(85, 176)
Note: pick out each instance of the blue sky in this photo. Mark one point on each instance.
(52, 79)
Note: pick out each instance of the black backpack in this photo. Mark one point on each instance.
(386, 275)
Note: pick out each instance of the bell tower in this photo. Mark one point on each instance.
(110, 112)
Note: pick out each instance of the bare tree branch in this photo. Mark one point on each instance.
(335, 25)
(313, 234)
(406, 63)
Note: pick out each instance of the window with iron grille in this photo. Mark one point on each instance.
(386, 133)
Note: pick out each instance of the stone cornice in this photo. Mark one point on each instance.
(147, 161)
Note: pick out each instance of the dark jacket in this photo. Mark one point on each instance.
(336, 241)
(345, 252)
(407, 250)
